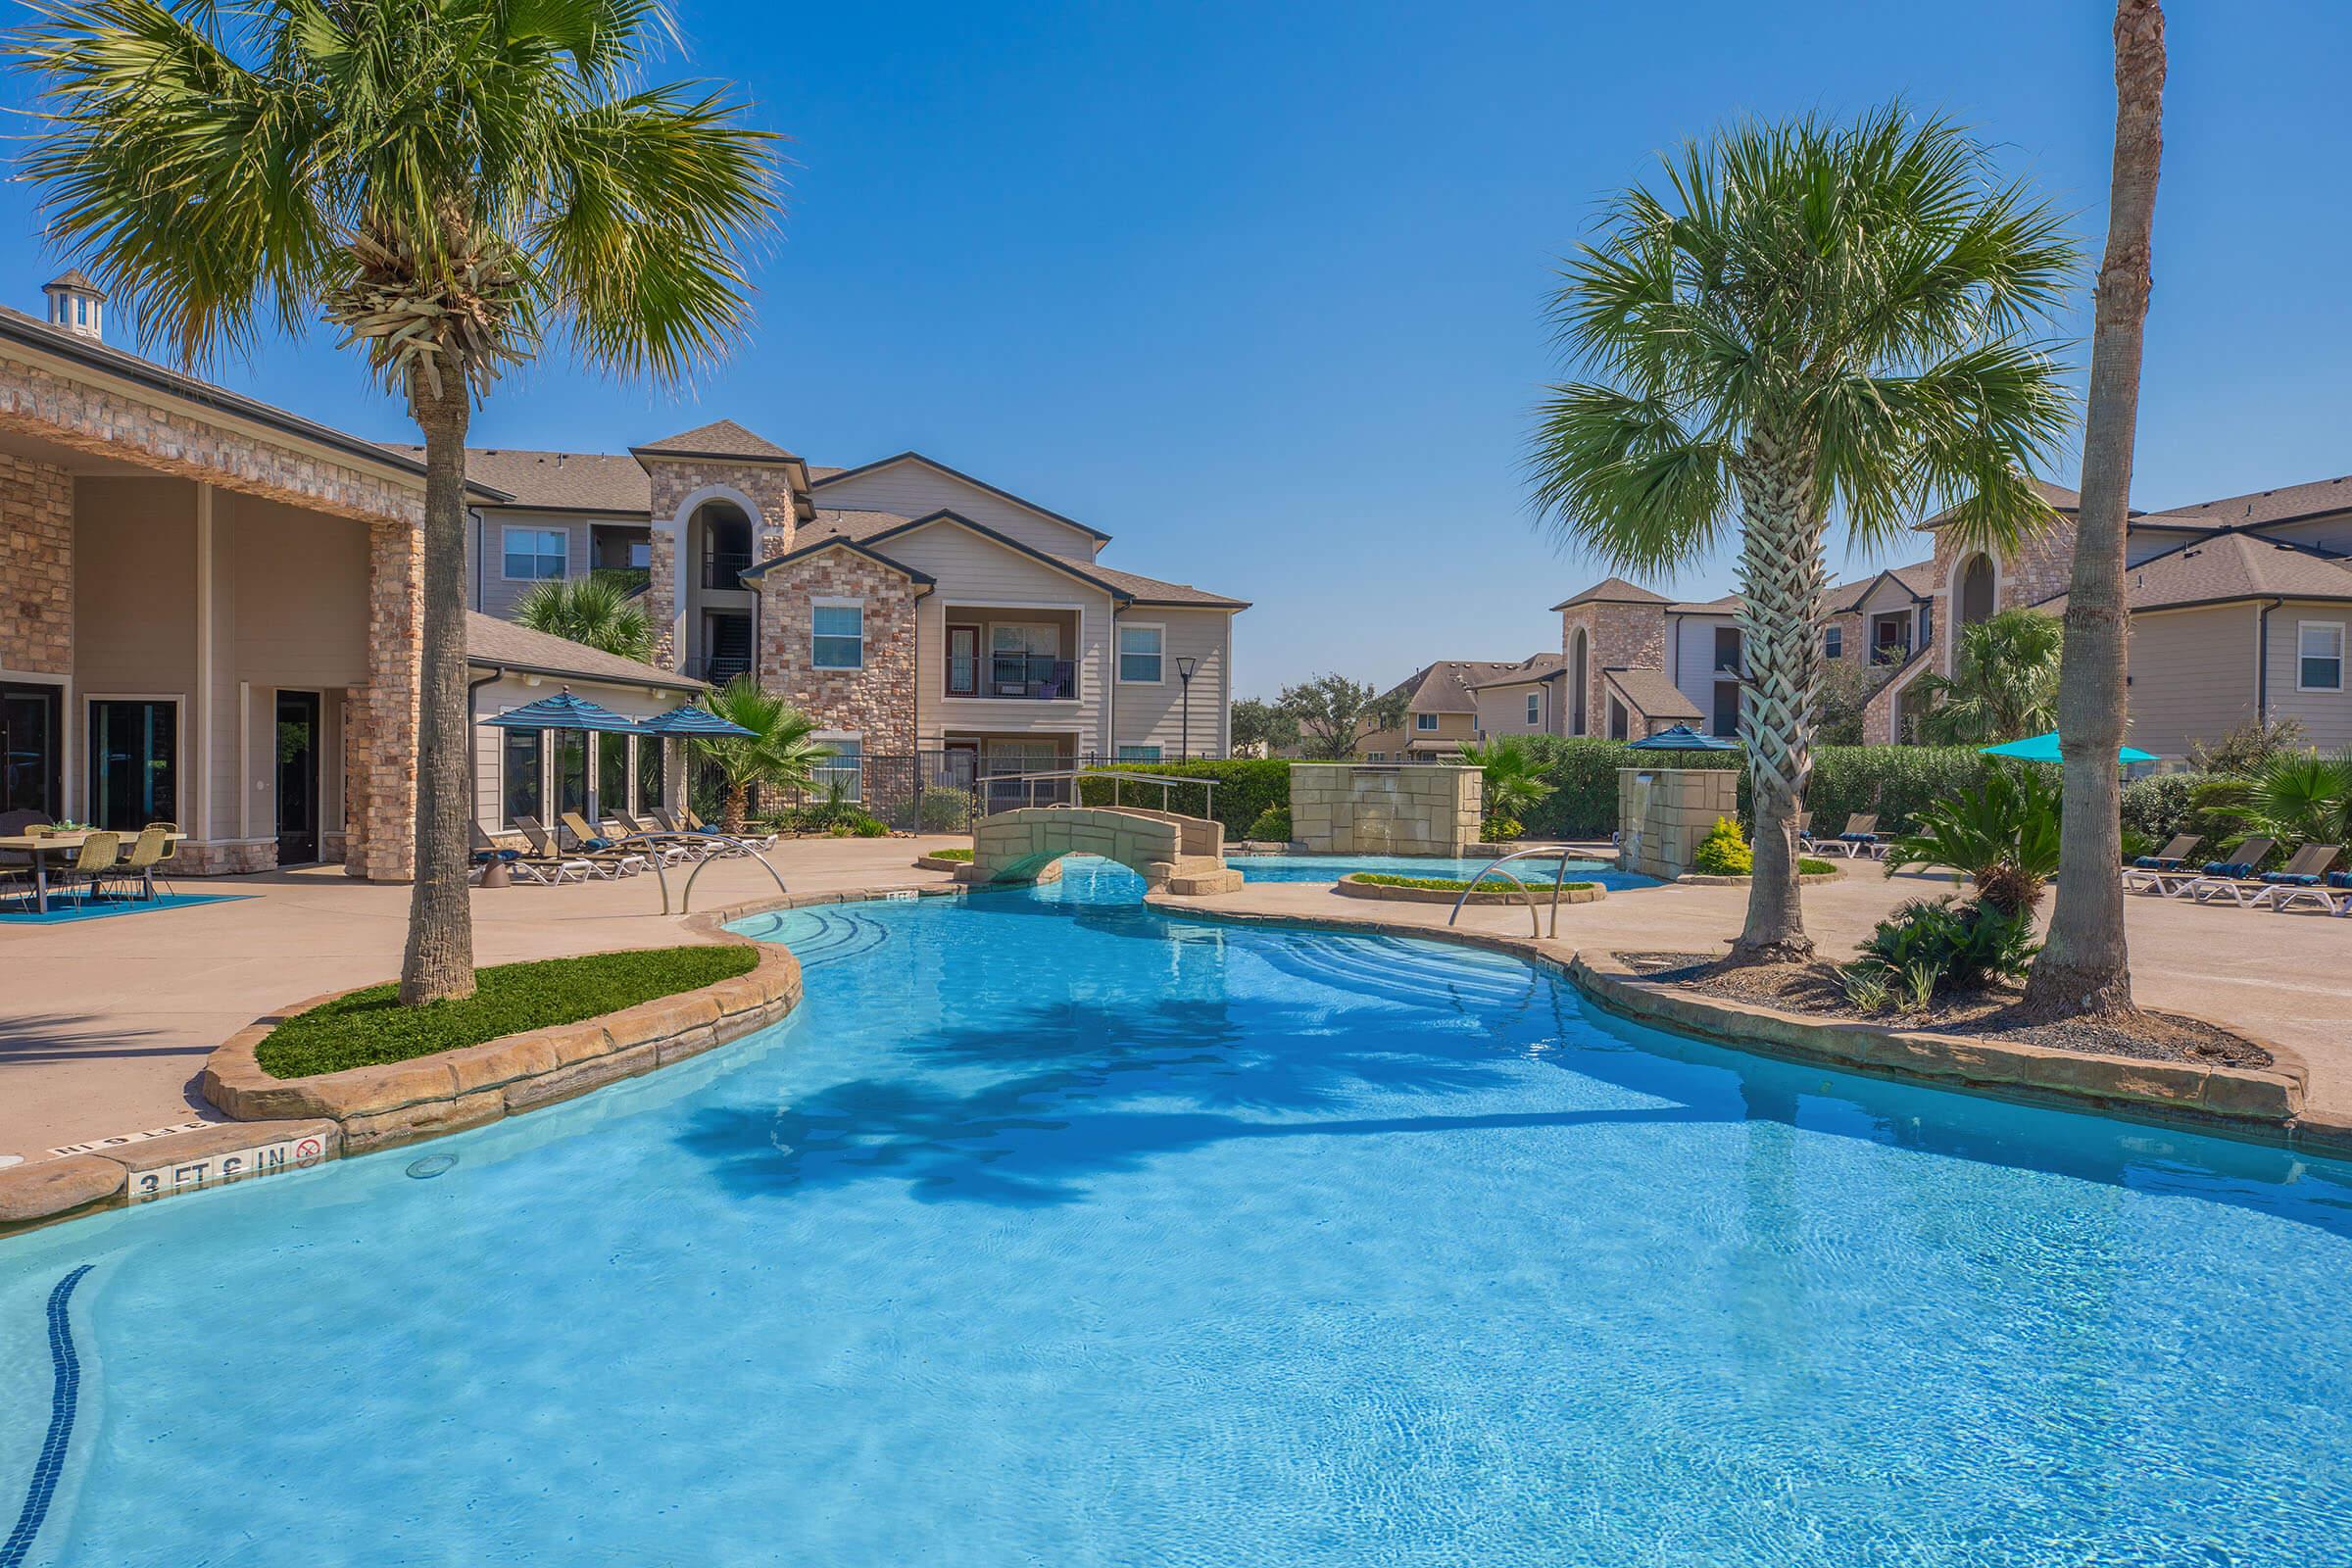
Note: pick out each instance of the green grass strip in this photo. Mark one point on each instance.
(1443, 884)
(951, 854)
(368, 1028)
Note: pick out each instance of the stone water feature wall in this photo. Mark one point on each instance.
(1366, 808)
(1662, 813)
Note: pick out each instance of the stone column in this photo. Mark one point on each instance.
(381, 846)
(665, 594)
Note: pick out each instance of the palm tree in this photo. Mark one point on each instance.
(1515, 782)
(594, 612)
(446, 182)
(2005, 685)
(779, 752)
(1809, 316)
(2084, 965)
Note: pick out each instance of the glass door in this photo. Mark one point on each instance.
(135, 764)
(32, 753)
(297, 778)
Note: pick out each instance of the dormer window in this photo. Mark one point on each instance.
(74, 304)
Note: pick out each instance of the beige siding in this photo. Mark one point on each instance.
(1502, 710)
(972, 571)
(916, 490)
(510, 692)
(2192, 676)
(1153, 716)
(1694, 656)
(2325, 716)
(134, 607)
(488, 588)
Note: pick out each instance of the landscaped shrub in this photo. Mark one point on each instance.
(943, 809)
(1273, 826)
(1893, 781)
(1583, 775)
(1245, 788)
(2001, 834)
(1938, 945)
(951, 854)
(1723, 852)
(2162, 804)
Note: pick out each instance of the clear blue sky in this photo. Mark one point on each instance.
(1258, 289)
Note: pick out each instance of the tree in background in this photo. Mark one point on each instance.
(1267, 725)
(2003, 686)
(593, 611)
(449, 182)
(779, 753)
(1807, 316)
(2084, 968)
(1329, 710)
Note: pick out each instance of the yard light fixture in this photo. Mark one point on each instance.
(1184, 672)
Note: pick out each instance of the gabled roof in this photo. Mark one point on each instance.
(1528, 671)
(1613, 591)
(491, 641)
(2230, 566)
(2287, 504)
(858, 546)
(1721, 605)
(1445, 685)
(1649, 692)
(2057, 497)
(558, 481)
(1143, 590)
(721, 438)
(835, 477)
(1917, 580)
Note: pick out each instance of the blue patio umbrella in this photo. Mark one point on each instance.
(687, 720)
(1683, 738)
(2045, 749)
(562, 711)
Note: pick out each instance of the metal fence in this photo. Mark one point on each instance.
(923, 792)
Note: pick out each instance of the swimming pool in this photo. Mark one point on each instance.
(1055, 1229)
(1331, 867)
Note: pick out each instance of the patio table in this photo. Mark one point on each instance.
(39, 848)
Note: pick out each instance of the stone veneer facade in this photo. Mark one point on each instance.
(1663, 813)
(37, 602)
(1371, 809)
(1623, 635)
(877, 702)
(767, 485)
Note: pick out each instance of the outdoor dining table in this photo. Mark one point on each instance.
(39, 847)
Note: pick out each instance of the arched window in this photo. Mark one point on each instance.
(726, 544)
(1577, 682)
(1975, 590)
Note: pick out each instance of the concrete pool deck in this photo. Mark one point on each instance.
(105, 1024)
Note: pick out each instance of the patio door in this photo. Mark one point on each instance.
(297, 778)
(31, 750)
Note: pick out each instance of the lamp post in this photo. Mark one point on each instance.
(1184, 674)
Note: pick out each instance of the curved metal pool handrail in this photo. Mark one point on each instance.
(1560, 882)
(686, 899)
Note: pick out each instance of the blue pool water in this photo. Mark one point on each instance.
(1051, 1230)
(1534, 870)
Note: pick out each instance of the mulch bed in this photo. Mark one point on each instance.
(1814, 989)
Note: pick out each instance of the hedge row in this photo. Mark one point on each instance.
(1892, 781)
(1242, 789)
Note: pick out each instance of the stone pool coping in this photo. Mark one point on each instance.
(2246, 1104)
(1349, 887)
(278, 1124)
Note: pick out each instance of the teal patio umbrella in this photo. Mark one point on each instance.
(2045, 749)
(1683, 738)
(565, 712)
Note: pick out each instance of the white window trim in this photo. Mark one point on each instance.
(180, 742)
(1119, 654)
(2336, 627)
(1429, 728)
(835, 603)
(1535, 709)
(1829, 635)
(506, 823)
(507, 528)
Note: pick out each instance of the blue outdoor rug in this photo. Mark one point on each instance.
(63, 908)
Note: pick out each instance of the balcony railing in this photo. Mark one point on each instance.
(1026, 677)
(718, 669)
(1889, 653)
(725, 569)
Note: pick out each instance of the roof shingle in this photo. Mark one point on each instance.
(721, 438)
(2228, 567)
(1614, 591)
(491, 641)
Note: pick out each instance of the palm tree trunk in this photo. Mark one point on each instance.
(737, 810)
(2084, 965)
(1782, 574)
(439, 961)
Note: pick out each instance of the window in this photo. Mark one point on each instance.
(641, 553)
(571, 771)
(649, 775)
(524, 790)
(845, 770)
(1140, 648)
(1025, 660)
(1927, 623)
(1727, 649)
(612, 777)
(1138, 754)
(2319, 655)
(837, 639)
(535, 554)
(1535, 709)
(135, 764)
(1426, 723)
(1832, 643)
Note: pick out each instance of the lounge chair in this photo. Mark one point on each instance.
(2240, 883)
(611, 864)
(587, 839)
(1860, 837)
(757, 841)
(674, 847)
(546, 871)
(711, 839)
(2304, 880)
(2165, 872)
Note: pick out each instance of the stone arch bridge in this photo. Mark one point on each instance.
(1172, 853)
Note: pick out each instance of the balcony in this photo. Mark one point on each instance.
(1889, 653)
(1023, 677)
(724, 568)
